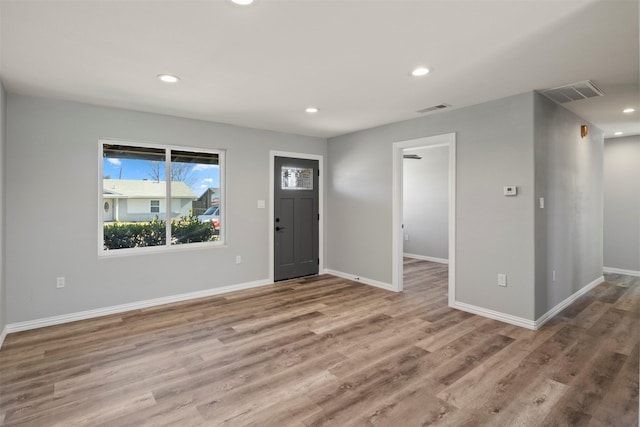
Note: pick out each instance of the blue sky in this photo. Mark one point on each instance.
(202, 176)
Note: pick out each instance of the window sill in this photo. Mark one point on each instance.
(150, 250)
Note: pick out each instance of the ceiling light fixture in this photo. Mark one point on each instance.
(168, 78)
(628, 110)
(617, 133)
(242, 2)
(420, 71)
(312, 110)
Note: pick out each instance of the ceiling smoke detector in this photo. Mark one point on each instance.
(573, 92)
(434, 108)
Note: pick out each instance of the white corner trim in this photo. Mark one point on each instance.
(427, 258)
(564, 304)
(356, 278)
(495, 315)
(621, 271)
(98, 312)
(3, 335)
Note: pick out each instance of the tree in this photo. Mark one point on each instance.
(179, 172)
(154, 169)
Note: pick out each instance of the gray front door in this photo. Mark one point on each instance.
(296, 216)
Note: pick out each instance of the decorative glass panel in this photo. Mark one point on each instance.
(296, 178)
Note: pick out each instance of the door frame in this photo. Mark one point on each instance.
(272, 157)
(397, 208)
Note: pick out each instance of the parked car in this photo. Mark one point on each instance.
(211, 215)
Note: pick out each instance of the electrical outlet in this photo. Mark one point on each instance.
(502, 280)
(406, 237)
(59, 282)
(554, 275)
(238, 259)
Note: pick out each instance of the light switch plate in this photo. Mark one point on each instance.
(502, 280)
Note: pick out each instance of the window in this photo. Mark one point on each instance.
(296, 178)
(149, 210)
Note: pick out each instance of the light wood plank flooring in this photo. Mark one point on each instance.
(328, 351)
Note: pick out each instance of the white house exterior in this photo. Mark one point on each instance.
(140, 200)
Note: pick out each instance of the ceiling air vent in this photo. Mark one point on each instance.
(434, 108)
(573, 92)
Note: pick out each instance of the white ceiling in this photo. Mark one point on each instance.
(260, 66)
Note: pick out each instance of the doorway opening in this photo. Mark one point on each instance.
(400, 149)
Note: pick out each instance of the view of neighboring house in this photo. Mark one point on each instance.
(128, 200)
(210, 197)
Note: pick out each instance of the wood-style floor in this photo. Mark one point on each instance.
(328, 351)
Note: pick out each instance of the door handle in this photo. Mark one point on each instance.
(279, 228)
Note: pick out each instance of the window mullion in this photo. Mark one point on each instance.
(167, 209)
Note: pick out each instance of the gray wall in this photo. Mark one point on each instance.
(3, 128)
(568, 174)
(426, 202)
(52, 165)
(622, 203)
(495, 234)
(52, 152)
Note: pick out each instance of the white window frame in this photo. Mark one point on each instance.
(221, 242)
(152, 205)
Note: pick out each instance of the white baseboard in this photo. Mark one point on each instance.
(3, 335)
(371, 282)
(520, 321)
(427, 258)
(621, 271)
(567, 302)
(496, 315)
(89, 314)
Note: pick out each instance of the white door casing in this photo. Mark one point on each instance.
(397, 200)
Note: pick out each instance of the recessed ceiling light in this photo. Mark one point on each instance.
(628, 110)
(617, 133)
(168, 78)
(242, 2)
(420, 71)
(312, 110)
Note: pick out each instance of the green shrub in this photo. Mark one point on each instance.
(153, 233)
(189, 229)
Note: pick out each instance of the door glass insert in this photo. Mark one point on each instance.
(296, 178)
